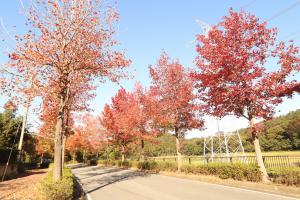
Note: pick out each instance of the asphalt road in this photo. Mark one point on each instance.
(116, 184)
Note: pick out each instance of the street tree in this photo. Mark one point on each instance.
(172, 102)
(233, 77)
(69, 43)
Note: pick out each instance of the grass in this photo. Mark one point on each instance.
(62, 189)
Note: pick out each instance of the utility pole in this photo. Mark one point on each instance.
(24, 123)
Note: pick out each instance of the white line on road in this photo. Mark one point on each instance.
(88, 196)
(231, 187)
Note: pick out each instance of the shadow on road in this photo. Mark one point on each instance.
(114, 178)
(77, 165)
(104, 172)
(94, 177)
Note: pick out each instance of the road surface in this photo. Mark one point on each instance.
(116, 184)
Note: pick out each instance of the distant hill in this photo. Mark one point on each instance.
(280, 134)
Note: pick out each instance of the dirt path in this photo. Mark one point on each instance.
(22, 188)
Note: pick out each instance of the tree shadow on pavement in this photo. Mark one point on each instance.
(104, 172)
(77, 165)
(114, 178)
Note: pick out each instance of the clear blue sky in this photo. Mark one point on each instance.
(147, 27)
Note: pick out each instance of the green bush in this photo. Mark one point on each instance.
(125, 163)
(92, 162)
(288, 176)
(119, 163)
(62, 189)
(147, 165)
(226, 170)
(167, 166)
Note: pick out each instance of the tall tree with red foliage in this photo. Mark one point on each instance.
(143, 128)
(233, 78)
(172, 100)
(69, 43)
(119, 121)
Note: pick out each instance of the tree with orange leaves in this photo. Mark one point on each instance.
(70, 44)
(88, 136)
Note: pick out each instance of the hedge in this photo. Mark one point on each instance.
(62, 189)
(288, 176)
(234, 171)
(119, 163)
(223, 170)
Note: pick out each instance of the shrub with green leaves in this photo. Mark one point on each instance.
(236, 171)
(125, 164)
(288, 176)
(147, 165)
(62, 189)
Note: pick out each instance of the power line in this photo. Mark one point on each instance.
(297, 3)
(248, 4)
(292, 35)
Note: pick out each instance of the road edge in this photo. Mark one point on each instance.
(221, 182)
(86, 194)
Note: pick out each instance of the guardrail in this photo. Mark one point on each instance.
(270, 161)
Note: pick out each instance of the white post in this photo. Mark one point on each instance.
(24, 123)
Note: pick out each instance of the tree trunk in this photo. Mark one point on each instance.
(84, 156)
(179, 159)
(42, 156)
(73, 156)
(259, 158)
(123, 153)
(57, 168)
(63, 150)
(142, 150)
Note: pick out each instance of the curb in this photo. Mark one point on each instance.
(86, 195)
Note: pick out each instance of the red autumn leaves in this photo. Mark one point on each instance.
(233, 78)
(232, 59)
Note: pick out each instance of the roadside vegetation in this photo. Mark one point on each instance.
(235, 171)
(53, 190)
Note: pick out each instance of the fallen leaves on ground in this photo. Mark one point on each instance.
(22, 188)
